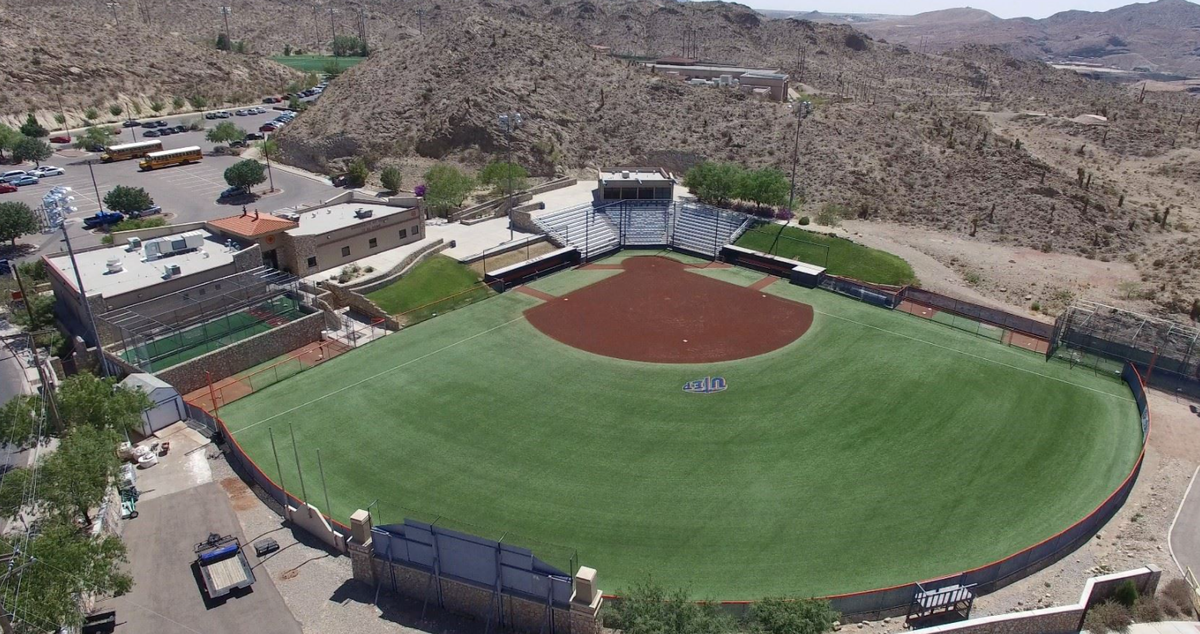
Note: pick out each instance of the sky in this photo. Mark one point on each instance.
(1002, 8)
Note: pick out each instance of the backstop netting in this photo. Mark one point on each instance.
(1102, 337)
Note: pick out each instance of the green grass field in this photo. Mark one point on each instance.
(420, 293)
(846, 258)
(877, 449)
(316, 63)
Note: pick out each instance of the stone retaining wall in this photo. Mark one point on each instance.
(341, 297)
(245, 354)
(396, 272)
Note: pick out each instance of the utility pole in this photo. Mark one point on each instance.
(113, 6)
(332, 28)
(420, 21)
(509, 122)
(87, 309)
(225, 11)
(63, 111)
(803, 109)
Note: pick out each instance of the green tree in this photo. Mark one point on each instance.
(59, 564)
(115, 110)
(32, 129)
(177, 103)
(358, 172)
(268, 149)
(390, 177)
(8, 138)
(714, 183)
(332, 68)
(198, 102)
(19, 423)
(223, 42)
(91, 114)
(446, 188)
(85, 400)
(497, 175)
(126, 199)
(75, 478)
(346, 46)
(294, 104)
(93, 136)
(31, 149)
(16, 220)
(310, 80)
(239, 46)
(766, 186)
(225, 132)
(287, 50)
(42, 307)
(157, 106)
(775, 615)
(245, 174)
(648, 608)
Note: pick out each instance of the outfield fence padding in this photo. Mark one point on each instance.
(978, 312)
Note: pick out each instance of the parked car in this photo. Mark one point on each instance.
(166, 132)
(131, 123)
(223, 115)
(22, 181)
(240, 113)
(237, 144)
(270, 100)
(151, 133)
(5, 188)
(12, 175)
(162, 123)
(233, 192)
(150, 125)
(149, 211)
(210, 115)
(255, 136)
(179, 129)
(268, 127)
(103, 219)
(47, 170)
(62, 138)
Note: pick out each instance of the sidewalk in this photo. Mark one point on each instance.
(1166, 627)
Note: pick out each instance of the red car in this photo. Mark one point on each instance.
(5, 188)
(62, 138)
(268, 127)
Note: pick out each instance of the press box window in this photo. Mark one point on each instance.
(345, 252)
(373, 243)
(312, 262)
(403, 233)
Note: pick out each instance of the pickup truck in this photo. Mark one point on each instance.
(103, 219)
(223, 565)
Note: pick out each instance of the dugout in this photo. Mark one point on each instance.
(798, 273)
(521, 272)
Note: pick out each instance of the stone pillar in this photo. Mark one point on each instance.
(361, 547)
(585, 602)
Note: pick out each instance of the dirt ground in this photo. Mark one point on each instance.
(658, 312)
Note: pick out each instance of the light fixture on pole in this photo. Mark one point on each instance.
(803, 109)
(225, 11)
(509, 123)
(113, 6)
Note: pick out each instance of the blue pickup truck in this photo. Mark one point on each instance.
(103, 219)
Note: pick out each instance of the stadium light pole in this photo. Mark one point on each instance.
(225, 11)
(803, 109)
(509, 122)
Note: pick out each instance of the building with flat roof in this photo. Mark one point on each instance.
(142, 269)
(635, 183)
(770, 83)
(321, 237)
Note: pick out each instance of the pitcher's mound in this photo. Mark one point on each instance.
(657, 311)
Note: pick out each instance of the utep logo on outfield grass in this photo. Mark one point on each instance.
(707, 385)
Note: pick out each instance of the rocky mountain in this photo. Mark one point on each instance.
(78, 54)
(1161, 36)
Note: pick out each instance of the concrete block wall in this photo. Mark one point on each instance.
(225, 362)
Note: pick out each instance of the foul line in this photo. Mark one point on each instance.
(376, 376)
(969, 354)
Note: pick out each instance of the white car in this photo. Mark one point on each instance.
(48, 170)
(12, 175)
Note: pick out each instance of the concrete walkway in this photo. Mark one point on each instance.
(1183, 537)
(1166, 627)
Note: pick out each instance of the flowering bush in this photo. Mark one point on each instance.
(419, 191)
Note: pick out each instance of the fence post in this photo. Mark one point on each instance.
(299, 472)
(279, 470)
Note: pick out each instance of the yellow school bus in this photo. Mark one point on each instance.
(166, 158)
(130, 150)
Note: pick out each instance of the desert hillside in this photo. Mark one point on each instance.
(1161, 36)
(82, 55)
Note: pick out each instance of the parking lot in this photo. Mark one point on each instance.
(186, 193)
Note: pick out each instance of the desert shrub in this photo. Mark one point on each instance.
(784, 214)
(648, 608)
(358, 172)
(1147, 610)
(1176, 598)
(1109, 616)
(1126, 593)
(831, 214)
(804, 221)
(390, 177)
(774, 615)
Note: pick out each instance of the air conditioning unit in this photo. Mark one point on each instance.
(170, 245)
(114, 265)
(170, 271)
(624, 173)
(135, 243)
(361, 213)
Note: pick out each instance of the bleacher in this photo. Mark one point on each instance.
(705, 229)
(642, 222)
(582, 227)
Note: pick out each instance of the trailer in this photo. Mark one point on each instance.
(223, 565)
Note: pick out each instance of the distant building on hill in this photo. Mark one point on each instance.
(768, 83)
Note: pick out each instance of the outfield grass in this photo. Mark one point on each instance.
(846, 258)
(877, 449)
(421, 293)
(316, 63)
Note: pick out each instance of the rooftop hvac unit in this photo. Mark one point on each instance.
(170, 245)
(170, 271)
(114, 265)
(363, 212)
(135, 243)
(624, 173)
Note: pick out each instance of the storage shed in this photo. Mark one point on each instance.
(167, 408)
